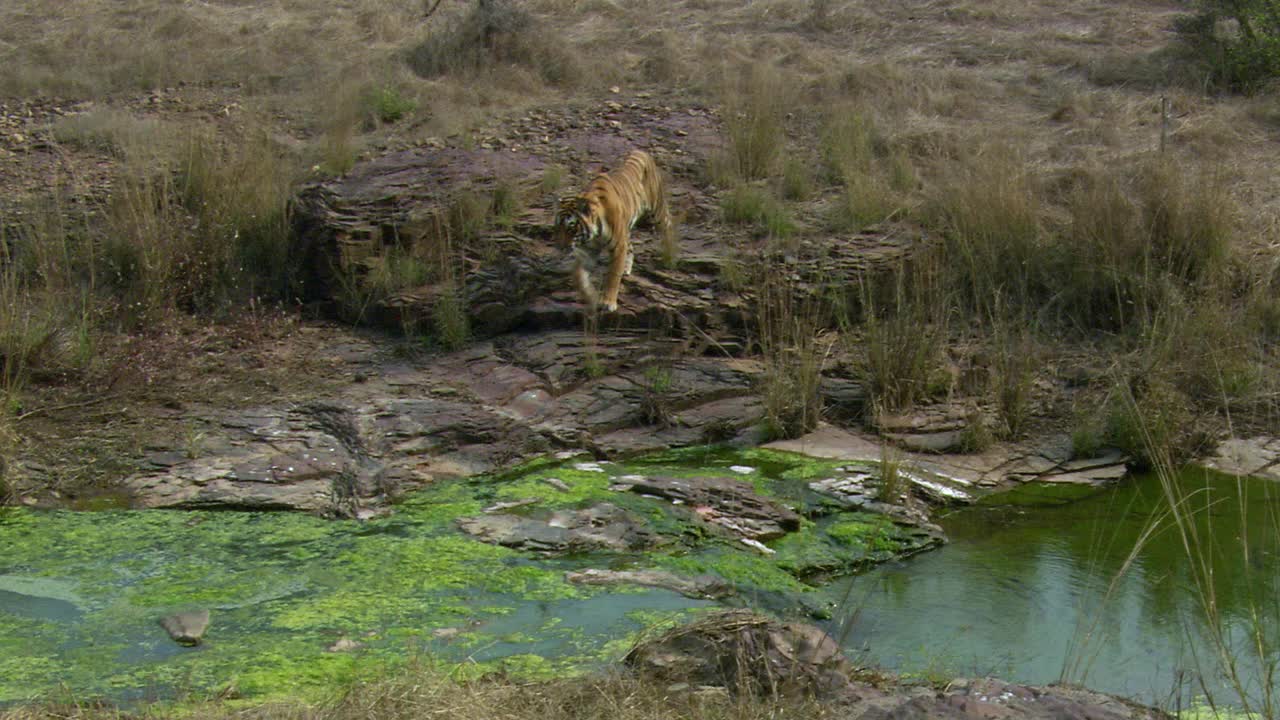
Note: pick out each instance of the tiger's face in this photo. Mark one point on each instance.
(573, 222)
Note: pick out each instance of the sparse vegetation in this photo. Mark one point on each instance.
(449, 314)
(656, 396)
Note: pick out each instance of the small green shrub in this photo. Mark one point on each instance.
(506, 203)
(901, 345)
(1149, 418)
(976, 436)
(989, 215)
(553, 178)
(1013, 370)
(387, 104)
(794, 356)
(864, 201)
(850, 144)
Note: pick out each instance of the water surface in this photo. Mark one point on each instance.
(1055, 592)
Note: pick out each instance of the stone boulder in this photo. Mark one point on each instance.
(745, 653)
(186, 628)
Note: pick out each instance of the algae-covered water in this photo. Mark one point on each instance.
(1040, 591)
(81, 592)
(1030, 587)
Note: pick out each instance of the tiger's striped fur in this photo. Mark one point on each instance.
(601, 217)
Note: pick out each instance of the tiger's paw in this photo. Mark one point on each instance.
(611, 307)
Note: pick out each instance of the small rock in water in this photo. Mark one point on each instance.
(742, 469)
(765, 549)
(588, 467)
(186, 628)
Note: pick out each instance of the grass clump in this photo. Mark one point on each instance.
(756, 101)
(656, 398)
(449, 317)
(901, 344)
(989, 215)
(893, 481)
(755, 205)
(794, 356)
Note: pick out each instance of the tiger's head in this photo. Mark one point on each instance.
(575, 222)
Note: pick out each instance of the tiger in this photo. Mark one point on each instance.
(601, 218)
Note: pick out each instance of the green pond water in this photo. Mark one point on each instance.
(1018, 592)
(1034, 591)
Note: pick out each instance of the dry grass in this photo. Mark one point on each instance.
(430, 692)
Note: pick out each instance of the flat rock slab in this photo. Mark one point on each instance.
(1256, 456)
(600, 527)
(990, 699)
(728, 503)
(707, 587)
(949, 476)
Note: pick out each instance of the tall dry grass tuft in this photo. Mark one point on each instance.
(795, 352)
(756, 100)
(988, 210)
(903, 330)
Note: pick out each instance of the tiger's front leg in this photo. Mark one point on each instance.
(617, 267)
(582, 279)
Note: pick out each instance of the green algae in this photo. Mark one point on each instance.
(283, 588)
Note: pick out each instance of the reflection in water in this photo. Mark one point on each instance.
(1060, 594)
